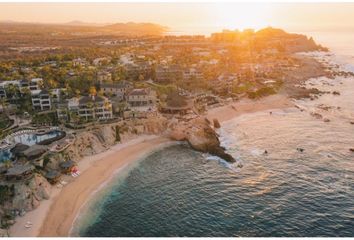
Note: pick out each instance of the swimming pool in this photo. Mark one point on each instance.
(27, 139)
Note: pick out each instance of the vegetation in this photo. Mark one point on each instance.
(262, 92)
(45, 118)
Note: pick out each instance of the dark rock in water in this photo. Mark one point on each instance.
(218, 151)
(351, 122)
(326, 120)
(351, 149)
(216, 123)
(336, 93)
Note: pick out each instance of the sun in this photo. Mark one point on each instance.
(242, 15)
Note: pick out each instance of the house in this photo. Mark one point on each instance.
(168, 74)
(118, 89)
(67, 166)
(104, 76)
(41, 100)
(192, 74)
(53, 176)
(33, 84)
(101, 61)
(79, 62)
(143, 97)
(57, 94)
(91, 107)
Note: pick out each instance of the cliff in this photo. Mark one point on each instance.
(17, 198)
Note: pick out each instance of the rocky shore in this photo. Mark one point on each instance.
(201, 136)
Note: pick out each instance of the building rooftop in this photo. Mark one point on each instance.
(19, 169)
(139, 92)
(120, 84)
(67, 164)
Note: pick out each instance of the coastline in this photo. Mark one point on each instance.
(62, 209)
(64, 204)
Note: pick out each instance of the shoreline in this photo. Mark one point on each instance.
(236, 109)
(95, 170)
(64, 205)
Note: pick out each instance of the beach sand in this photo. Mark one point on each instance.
(55, 217)
(244, 106)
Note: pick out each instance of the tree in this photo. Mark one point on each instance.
(93, 91)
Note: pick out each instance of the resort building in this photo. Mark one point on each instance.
(41, 100)
(141, 97)
(119, 89)
(34, 84)
(91, 107)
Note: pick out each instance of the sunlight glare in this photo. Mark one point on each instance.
(241, 16)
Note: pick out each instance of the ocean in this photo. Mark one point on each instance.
(303, 185)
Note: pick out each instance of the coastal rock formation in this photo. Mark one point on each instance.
(99, 139)
(91, 142)
(201, 137)
(28, 195)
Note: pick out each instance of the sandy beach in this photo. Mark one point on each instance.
(55, 217)
(236, 109)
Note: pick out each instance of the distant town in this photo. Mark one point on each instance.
(53, 92)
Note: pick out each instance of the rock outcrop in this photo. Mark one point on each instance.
(201, 137)
(27, 196)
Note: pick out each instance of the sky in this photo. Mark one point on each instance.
(191, 17)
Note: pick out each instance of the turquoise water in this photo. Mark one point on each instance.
(33, 138)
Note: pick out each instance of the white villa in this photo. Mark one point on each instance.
(91, 107)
